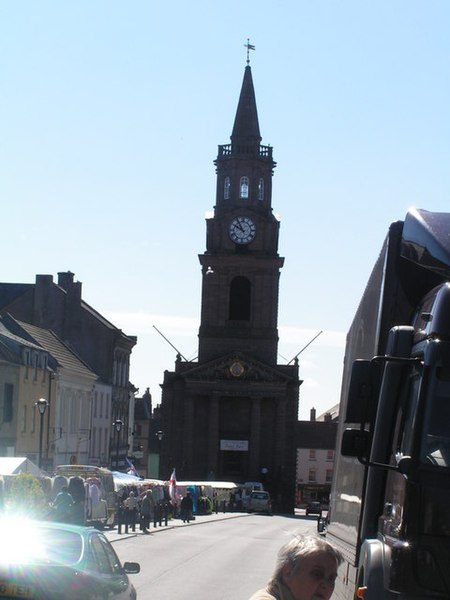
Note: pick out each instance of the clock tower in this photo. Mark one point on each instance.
(231, 415)
(241, 265)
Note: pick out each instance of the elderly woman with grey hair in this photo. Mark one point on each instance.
(306, 570)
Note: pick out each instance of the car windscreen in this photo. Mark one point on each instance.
(42, 545)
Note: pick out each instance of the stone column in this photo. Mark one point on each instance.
(280, 431)
(188, 433)
(280, 450)
(255, 437)
(213, 434)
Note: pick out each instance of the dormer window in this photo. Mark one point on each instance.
(261, 189)
(226, 188)
(243, 188)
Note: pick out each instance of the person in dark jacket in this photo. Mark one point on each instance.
(62, 506)
(147, 509)
(186, 507)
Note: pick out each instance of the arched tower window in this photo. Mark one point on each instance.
(261, 189)
(243, 188)
(240, 299)
(226, 188)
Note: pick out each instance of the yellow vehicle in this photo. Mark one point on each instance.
(100, 498)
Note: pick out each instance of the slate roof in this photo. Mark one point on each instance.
(11, 344)
(11, 291)
(65, 357)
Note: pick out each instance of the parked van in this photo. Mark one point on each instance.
(260, 502)
(247, 489)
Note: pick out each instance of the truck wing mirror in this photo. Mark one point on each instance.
(360, 392)
(355, 442)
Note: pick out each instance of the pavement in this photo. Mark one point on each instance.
(114, 536)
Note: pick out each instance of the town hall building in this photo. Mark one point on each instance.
(231, 415)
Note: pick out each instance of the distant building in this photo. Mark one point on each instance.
(100, 443)
(139, 452)
(77, 421)
(104, 348)
(316, 441)
(26, 375)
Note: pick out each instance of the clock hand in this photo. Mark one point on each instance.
(241, 227)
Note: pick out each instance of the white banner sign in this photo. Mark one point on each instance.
(234, 445)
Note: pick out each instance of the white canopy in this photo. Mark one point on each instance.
(13, 465)
(122, 479)
(223, 485)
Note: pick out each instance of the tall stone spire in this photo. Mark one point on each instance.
(245, 167)
(246, 126)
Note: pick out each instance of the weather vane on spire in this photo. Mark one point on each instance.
(249, 47)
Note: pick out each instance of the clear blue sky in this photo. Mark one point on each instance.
(111, 113)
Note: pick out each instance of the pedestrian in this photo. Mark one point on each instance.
(186, 507)
(121, 511)
(62, 506)
(77, 489)
(147, 508)
(131, 507)
(238, 499)
(306, 569)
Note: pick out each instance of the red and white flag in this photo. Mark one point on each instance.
(173, 485)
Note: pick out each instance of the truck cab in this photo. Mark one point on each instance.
(391, 490)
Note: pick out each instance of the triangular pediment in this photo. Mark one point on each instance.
(236, 367)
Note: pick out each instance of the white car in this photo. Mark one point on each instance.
(259, 502)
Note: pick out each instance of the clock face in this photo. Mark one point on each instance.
(236, 369)
(242, 230)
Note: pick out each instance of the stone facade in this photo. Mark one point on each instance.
(315, 440)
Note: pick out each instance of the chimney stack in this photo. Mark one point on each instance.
(65, 280)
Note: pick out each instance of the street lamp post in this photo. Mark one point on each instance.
(159, 436)
(118, 427)
(41, 404)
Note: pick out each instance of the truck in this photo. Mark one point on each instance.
(390, 497)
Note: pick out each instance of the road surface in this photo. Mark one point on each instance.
(213, 560)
